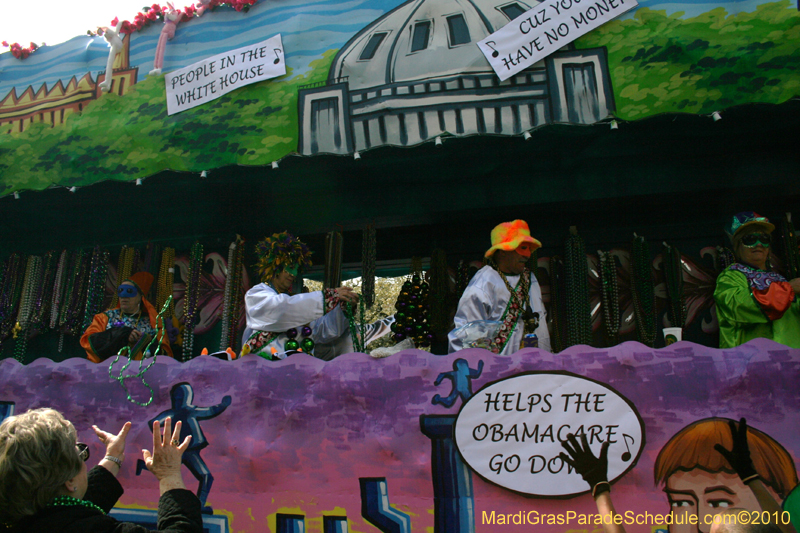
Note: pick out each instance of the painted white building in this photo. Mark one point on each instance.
(417, 72)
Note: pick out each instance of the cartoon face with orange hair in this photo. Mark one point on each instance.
(699, 481)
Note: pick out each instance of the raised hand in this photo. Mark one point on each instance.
(346, 294)
(165, 460)
(115, 444)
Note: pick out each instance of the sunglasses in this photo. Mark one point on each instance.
(127, 291)
(751, 240)
(83, 451)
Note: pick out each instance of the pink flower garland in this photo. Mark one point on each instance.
(19, 52)
(156, 13)
(142, 20)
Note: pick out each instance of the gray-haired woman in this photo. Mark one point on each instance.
(45, 485)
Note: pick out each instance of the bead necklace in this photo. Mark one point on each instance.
(517, 302)
(673, 272)
(411, 318)
(225, 338)
(609, 289)
(558, 303)
(166, 274)
(190, 299)
(231, 301)
(58, 288)
(29, 287)
(124, 270)
(236, 298)
(69, 501)
(579, 327)
(151, 348)
(791, 251)
(533, 264)
(725, 258)
(11, 292)
(96, 285)
(237, 314)
(73, 267)
(136, 261)
(150, 264)
(521, 291)
(439, 292)
(66, 295)
(73, 321)
(333, 260)
(120, 322)
(642, 291)
(43, 298)
(307, 344)
(368, 253)
(462, 278)
(357, 331)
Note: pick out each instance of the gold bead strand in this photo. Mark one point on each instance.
(165, 279)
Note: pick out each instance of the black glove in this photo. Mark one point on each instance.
(109, 342)
(739, 456)
(594, 470)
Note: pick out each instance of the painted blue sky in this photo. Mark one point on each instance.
(308, 29)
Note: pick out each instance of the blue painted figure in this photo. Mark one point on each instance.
(190, 415)
(461, 376)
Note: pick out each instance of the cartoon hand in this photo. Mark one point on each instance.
(226, 401)
(739, 457)
(594, 470)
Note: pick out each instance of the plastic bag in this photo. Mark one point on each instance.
(478, 334)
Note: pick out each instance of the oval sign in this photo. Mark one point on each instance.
(510, 431)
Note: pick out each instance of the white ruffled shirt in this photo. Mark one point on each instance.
(486, 298)
(268, 310)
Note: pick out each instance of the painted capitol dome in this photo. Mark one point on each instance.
(416, 73)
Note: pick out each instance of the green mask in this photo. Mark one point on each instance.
(293, 269)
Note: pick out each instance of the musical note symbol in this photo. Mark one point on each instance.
(277, 59)
(627, 455)
(495, 53)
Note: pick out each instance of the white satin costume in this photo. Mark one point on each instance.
(267, 310)
(486, 298)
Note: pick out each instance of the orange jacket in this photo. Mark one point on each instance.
(100, 323)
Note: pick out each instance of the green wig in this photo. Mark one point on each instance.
(279, 252)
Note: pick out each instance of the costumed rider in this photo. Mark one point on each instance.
(753, 300)
(505, 291)
(280, 323)
(131, 323)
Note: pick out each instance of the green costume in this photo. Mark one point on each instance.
(753, 303)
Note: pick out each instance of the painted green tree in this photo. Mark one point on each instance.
(667, 64)
(124, 138)
(658, 64)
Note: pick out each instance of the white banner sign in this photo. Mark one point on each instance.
(210, 78)
(544, 29)
(510, 431)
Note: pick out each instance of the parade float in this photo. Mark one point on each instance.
(625, 134)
